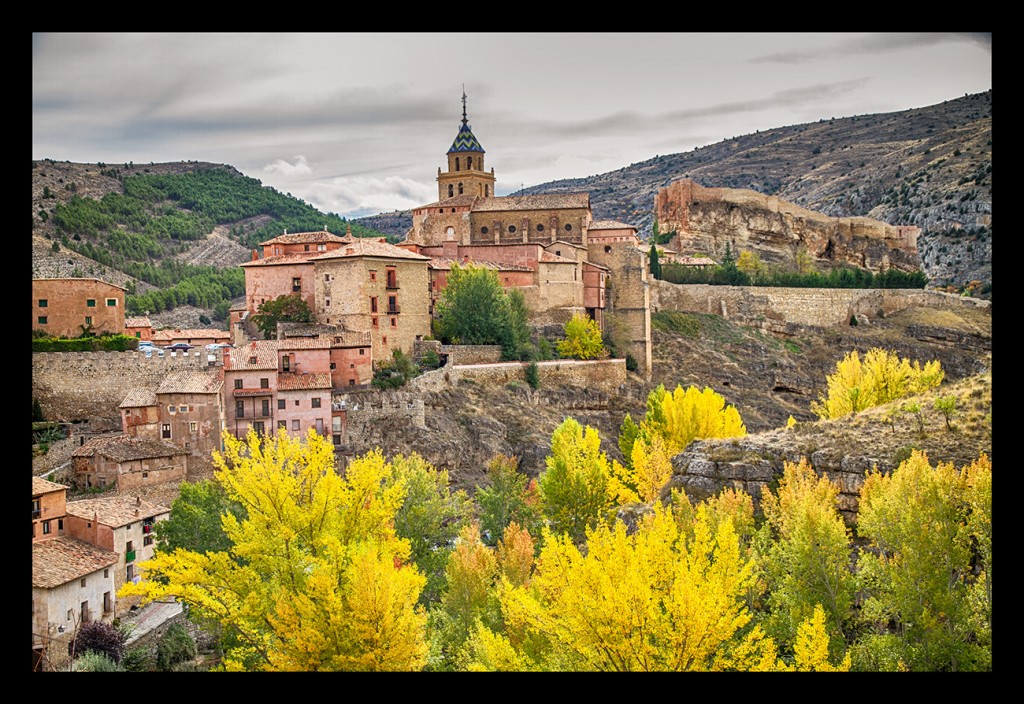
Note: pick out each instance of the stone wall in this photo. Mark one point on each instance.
(74, 386)
(627, 297)
(771, 308)
(601, 374)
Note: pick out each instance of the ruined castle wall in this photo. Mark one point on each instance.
(804, 306)
(601, 374)
(91, 385)
(627, 296)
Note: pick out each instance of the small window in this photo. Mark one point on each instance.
(373, 304)
(333, 366)
(239, 409)
(460, 189)
(145, 475)
(511, 228)
(327, 277)
(111, 302)
(558, 252)
(91, 303)
(297, 283)
(71, 614)
(305, 248)
(296, 403)
(394, 322)
(568, 227)
(321, 248)
(88, 320)
(327, 303)
(82, 583)
(607, 249)
(265, 407)
(540, 227)
(351, 366)
(373, 276)
(238, 383)
(384, 340)
(282, 424)
(295, 425)
(374, 322)
(315, 402)
(280, 403)
(362, 350)
(147, 540)
(42, 319)
(165, 430)
(170, 409)
(351, 382)
(106, 573)
(484, 230)
(46, 531)
(258, 427)
(42, 302)
(451, 190)
(265, 383)
(193, 426)
(182, 409)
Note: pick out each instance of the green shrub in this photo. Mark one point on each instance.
(532, 375)
(138, 660)
(100, 637)
(631, 363)
(95, 661)
(176, 646)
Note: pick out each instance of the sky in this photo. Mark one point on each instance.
(358, 124)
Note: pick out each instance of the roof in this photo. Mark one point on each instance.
(252, 392)
(595, 266)
(445, 263)
(352, 338)
(609, 225)
(190, 381)
(696, 261)
(81, 278)
(453, 202)
(541, 201)
(45, 486)
(60, 560)
(138, 398)
(465, 140)
(138, 322)
(548, 257)
(564, 244)
(290, 258)
(303, 238)
(369, 247)
(115, 511)
(125, 448)
(291, 329)
(258, 355)
(293, 381)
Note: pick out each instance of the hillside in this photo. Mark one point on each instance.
(930, 167)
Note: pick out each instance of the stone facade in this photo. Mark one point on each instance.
(48, 509)
(606, 375)
(68, 307)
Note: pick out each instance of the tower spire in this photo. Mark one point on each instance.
(464, 118)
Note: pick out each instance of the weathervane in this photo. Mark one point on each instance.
(464, 119)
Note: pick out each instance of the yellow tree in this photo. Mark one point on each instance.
(643, 479)
(683, 415)
(315, 578)
(582, 338)
(882, 376)
(647, 601)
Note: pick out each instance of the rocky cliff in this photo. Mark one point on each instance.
(706, 219)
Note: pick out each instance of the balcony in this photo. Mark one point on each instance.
(147, 529)
(393, 311)
(129, 556)
(37, 513)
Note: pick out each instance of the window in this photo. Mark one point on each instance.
(170, 409)
(333, 366)
(327, 277)
(321, 247)
(511, 228)
(362, 350)
(327, 303)
(394, 322)
(319, 426)
(456, 163)
(305, 248)
(130, 572)
(88, 320)
(85, 612)
(46, 531)
(568, 227)
(487, 191)
(392, 278)
(484, 230)
(42, 320)
(91, 303)
(282, 424)
(286, 363)
(469, 163)
(182, 409)
(558, 252)
(265, 407)
(108, 605)
(296, 402)
(165, 430)
(147, 540)
(35, 508)
(460, 189)
(82, 582)
(111, 302)
(238, 383)
(239, 409)
(540, 227)
(607, 249)
(193, 426)
(280, 403)
(384, 340)
(373, 304)
(374, 321)
(392, 304)
(295, 425)
(106, 573)
(297, 283)
(373, 276)
(71, 614)
(42, 302)
(60, 526)
(315, 402)
(451, 190)
(351, 382)
(265, 383)
(145, 475)
(258, 427)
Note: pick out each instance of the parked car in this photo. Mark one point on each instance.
(214, 346)
(146, 343)
(150, 350)
(179, 347)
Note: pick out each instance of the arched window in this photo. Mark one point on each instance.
(456, 163)
(460, 189)
(451, 190)
(487, 191)
(469, 163)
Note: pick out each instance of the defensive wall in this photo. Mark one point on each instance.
(599, 374)
(771, 308)
(74, 386)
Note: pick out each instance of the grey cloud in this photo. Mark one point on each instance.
(874, 44)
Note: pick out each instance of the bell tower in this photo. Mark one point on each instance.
(465, 175)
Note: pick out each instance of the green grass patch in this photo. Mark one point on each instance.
(685, 324)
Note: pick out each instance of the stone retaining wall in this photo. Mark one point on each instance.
(601, 374)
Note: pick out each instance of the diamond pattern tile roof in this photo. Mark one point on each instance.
(465, 141)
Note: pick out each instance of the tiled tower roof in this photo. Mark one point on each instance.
(465, 140)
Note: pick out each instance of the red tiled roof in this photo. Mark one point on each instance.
(453, 202)
(115, 511)
(189, 381)
(369, 247)
(304, 343)
(258, 355)
(290, 258)
(124, 448)
(139, 322)
(609, 225)
(303, 238)
(183, 333)
(543, 201)
(139, 398)
(45, 486)
(294, 381)
(60, 560)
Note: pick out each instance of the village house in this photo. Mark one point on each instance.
(122, 525)
(198, 337)
(71, 307)
(140, 327)
(48, 508)
(127, 462)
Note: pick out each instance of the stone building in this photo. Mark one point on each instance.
(122, 525)
(197, 337)
(139, 327)
(127, 462)
(48, 508)
(70, 307)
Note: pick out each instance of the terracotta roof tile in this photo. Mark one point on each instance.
(115, 511)
(139, 398)
(293, 381)
(291, 258)
(453, 202)
(190, 381)
(179, 333)
(124, 448)
(258, 355)
(60, 560)
(351, 338)
(545, 201)
(45, 486)
(609, 225)
(138, 322)
(369, 247)
(303, 238)
(304, 343)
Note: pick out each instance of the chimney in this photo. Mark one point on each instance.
(138, 501)
(255, 256)
(136, 512)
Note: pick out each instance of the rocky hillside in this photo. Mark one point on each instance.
(930, 167)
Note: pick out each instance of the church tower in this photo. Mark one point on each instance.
(465, 175)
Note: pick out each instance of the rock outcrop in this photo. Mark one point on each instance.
(705, 219)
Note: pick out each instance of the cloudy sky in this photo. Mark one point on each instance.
(357, 124)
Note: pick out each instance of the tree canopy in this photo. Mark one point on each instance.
(474, 309)
(288, 308)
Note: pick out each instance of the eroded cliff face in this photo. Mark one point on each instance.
(706, 218)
